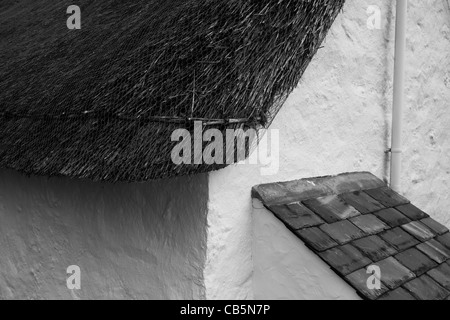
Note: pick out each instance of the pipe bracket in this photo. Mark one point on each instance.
(394, 151)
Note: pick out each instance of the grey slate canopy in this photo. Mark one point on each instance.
(102, 102)
(353, 221)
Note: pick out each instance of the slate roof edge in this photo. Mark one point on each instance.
(298, 190)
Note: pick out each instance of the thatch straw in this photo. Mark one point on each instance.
(102, 102)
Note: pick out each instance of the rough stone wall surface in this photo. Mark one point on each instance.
(338, 120)
(131, 241)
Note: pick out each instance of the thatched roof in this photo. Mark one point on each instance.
(102, 102)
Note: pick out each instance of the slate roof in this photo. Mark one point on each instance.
(353, 221)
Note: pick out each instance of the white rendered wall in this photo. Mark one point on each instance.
(286, 269)
(338, 120)
(131, 241)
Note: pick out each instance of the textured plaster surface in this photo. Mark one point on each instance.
(338, 120)
(131, 241)
(286, 269)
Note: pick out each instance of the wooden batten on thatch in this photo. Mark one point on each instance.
(103, 101)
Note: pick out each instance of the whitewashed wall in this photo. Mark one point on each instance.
(338, 120)
(131, 241)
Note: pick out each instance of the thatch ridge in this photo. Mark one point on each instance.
(102, 102)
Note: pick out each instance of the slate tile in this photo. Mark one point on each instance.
(441, 275)
(435, 226)
(299, 190)
(419, 231)
(359, 280)
(282, 212)
(348, 182)
(345, 259)
(399, 239)
(398, 294)
(412, 212)
(331, 208)
(296, 216)
(392, 217)
(316, 239)
(369, 224)
(361, 201)
(393, 274)
(444, 240)
(374, 248)
(425, 288)
(387, 197)
(342, 231)
(435, 251)
(290, 191)
(415, 261)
